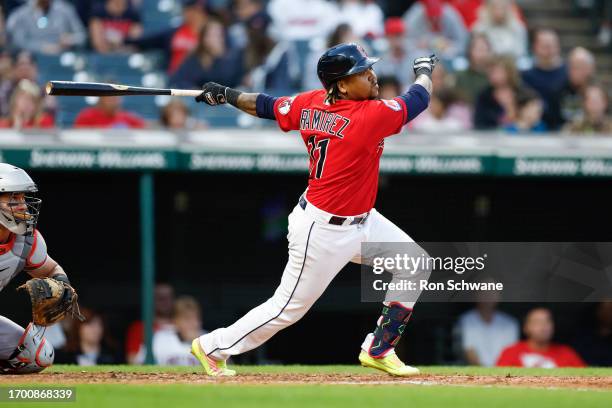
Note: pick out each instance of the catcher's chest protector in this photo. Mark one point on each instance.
(13, 261)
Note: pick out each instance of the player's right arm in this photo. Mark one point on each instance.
(260, 105)
(216, 94)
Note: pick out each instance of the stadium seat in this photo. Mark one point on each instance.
(52, 67)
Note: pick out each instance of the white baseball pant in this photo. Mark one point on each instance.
(317, 252)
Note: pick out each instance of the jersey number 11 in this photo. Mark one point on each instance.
(317, 163)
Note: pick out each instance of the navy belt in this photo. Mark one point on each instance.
(335, 220)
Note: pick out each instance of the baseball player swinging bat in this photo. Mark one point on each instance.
(69, 88)
(343, 128)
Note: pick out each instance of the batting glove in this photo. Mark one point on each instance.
(425, 65)
(215, 94)
(212, 94)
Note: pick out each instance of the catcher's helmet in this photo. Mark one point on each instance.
(18, 217)
(342, 60)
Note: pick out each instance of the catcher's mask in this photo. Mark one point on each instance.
(19, 209)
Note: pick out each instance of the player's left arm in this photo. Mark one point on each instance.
(49, 269)
(416, 99)
(39, 264)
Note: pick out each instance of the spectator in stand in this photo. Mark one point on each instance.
(88, 344)
(388, 87)
(343, 33)
(538, 350)
(580, 74)
(175, 115)
(212, 60)
(365, 17)
(440, 117)
(457, 109)
(496, 104)
(468, 10)
(185, 39)
(548, 76)
(26, 108)
(45, 26)
(111, 23)
(502, 26)
(485, 332)
(396, 61)
(594, 342)
(435, 26)
(179, 42)
(302, 20)
(108, 114)
(245, 11)
(594, 119)
(271, 66)
(472, 81)
(134, 339)
(171, 346)
(528, 114)
(22, 67)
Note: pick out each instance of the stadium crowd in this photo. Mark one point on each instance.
(497, 72)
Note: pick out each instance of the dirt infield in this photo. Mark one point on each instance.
(576, 382)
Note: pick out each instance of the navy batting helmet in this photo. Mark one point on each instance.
(342, 60)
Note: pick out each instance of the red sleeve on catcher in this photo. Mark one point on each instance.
(38, 253)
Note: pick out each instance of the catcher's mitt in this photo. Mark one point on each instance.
(51, 300)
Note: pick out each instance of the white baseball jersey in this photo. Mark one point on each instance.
(21, 252)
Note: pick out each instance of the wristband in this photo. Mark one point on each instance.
(231, 96)
(61, 277)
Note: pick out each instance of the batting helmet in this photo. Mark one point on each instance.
(342, 60)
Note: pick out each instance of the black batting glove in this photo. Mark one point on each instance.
(215, 94)
(425, 65)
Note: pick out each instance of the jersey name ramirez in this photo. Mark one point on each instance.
(325, 122)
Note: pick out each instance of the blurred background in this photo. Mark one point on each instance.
(515, 146)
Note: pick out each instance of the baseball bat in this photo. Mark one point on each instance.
(69, 88)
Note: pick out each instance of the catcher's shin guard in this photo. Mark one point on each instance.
(388, 332)
(32, 355)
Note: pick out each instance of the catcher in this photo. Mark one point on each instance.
(22, 248)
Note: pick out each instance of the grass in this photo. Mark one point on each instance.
(312, 395)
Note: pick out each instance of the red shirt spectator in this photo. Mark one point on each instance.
(538, 350)
(183, 42)
(108, 114)
(185, 39)
(164, 304)
(134, 341)
(555, 355)
(111, 23)
(468, 10)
